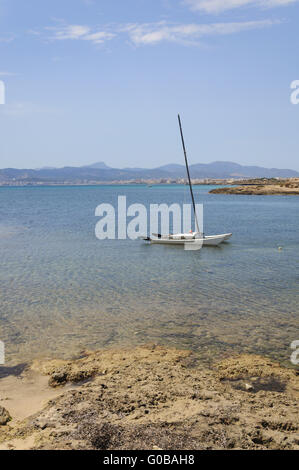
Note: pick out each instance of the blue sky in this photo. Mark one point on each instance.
(103, 80)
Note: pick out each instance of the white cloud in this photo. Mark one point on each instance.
(80, 32)
(154, 33)
(188, 33)
(7, 74)
(70, 32)
(100, 37)
(218, 6)
(7, 37)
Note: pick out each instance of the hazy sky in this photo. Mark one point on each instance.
(103, 80)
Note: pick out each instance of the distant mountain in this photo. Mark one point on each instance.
(98, 165)
(46, 168)
(173, 168)
(101, 172)
(234, 170)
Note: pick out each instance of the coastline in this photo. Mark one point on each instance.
(246, 186)
(276, 188)
(151, 397)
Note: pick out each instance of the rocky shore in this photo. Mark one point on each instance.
(150, 397)
(288, 187)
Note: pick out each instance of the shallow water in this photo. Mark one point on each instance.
(62, 290)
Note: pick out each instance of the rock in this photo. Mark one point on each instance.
(58, 378)
(4, 416)
(248, 387)
(195, 407)
(290, 187)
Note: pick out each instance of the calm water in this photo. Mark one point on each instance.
(62, 290)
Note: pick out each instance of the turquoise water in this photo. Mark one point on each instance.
(62, 290)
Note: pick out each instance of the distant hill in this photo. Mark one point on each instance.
(228, 170)
(101, 172)
(98, 165)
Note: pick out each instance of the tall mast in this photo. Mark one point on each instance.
(188, 173)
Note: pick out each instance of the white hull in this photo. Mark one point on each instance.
(225, 236)
(210, 240)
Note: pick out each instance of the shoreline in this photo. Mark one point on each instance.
(282, 188)
(237, 182)
(120, 398)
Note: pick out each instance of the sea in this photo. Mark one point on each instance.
(63, 291)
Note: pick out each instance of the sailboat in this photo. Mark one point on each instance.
(191, 237)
